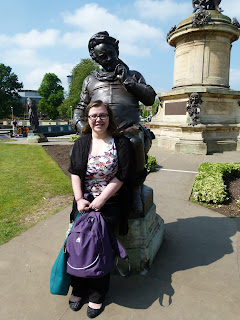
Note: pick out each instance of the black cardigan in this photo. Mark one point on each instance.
(125, 173)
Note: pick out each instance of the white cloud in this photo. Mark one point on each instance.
(133, 34)
(36, 39)
(25, 51)
(34, 78)
(4, 41)
(88, 16)
(24, 57)
(133, 50)
(163, 10)
(31, 67)
(133, 31)
(76, 39)
(22, 52)
(31, 39)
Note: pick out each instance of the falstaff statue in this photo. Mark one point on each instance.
(122, 89)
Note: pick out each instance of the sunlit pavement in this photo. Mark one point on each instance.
(195, 274)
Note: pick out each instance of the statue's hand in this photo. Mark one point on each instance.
(121, 73)
(79, 126)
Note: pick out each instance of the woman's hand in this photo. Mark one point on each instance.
(97, 203)
(113, 186)
(83, 205)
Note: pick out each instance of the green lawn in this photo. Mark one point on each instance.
(29, 179)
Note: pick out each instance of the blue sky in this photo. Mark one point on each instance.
(37, 37)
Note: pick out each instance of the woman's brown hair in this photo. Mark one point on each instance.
(112, 127)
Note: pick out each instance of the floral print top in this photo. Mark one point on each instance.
(101, 169)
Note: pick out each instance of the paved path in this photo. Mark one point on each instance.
(51, 141)
(195, 275)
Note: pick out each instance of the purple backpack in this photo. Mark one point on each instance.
(92, 247)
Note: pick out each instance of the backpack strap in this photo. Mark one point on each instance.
(71, 225)
(120, 253)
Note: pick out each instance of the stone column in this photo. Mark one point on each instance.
(202, 54)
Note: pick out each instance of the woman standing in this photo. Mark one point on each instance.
(101, 165)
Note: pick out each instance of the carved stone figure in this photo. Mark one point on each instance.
(171, 31)
(200, 18)
(206, 4)
(235, 22)
(122, 89)
(33, 117)
(192, 107)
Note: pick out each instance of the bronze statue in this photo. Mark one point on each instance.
(122, 89)
(193, 105)
(33, 117)
(206, 4)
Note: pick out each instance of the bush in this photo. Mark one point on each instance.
(74, 138)
(238, 204)
(209, 186)
(151, 163)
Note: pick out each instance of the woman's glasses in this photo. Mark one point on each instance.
(102, 116)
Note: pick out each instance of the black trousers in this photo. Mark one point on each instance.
(95, 289)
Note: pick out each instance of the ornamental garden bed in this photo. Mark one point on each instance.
(217, 186)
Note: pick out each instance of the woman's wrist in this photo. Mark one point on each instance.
(78, 199)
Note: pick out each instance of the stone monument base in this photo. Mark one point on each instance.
(36, 138)
(219, 128)
(144, 236)
(200, 139)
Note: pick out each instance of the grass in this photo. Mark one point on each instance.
(29, 179)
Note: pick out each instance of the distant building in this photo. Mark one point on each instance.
(69, 79)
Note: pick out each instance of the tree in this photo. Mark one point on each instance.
(51, 91)
(150, 110)
(79, 73)
(9, 96)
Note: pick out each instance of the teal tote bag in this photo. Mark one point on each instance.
(60, 280)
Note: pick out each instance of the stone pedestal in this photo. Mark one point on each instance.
(36, 138)
(219, 128)
(202, 63)
(145, 235)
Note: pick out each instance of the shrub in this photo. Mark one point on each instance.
(238, 204)
(74, 138)
(209, 186)
(151, 163)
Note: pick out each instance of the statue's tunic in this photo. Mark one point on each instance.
(122, 98)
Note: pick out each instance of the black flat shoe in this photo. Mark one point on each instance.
(93, 313)
(75, 306)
